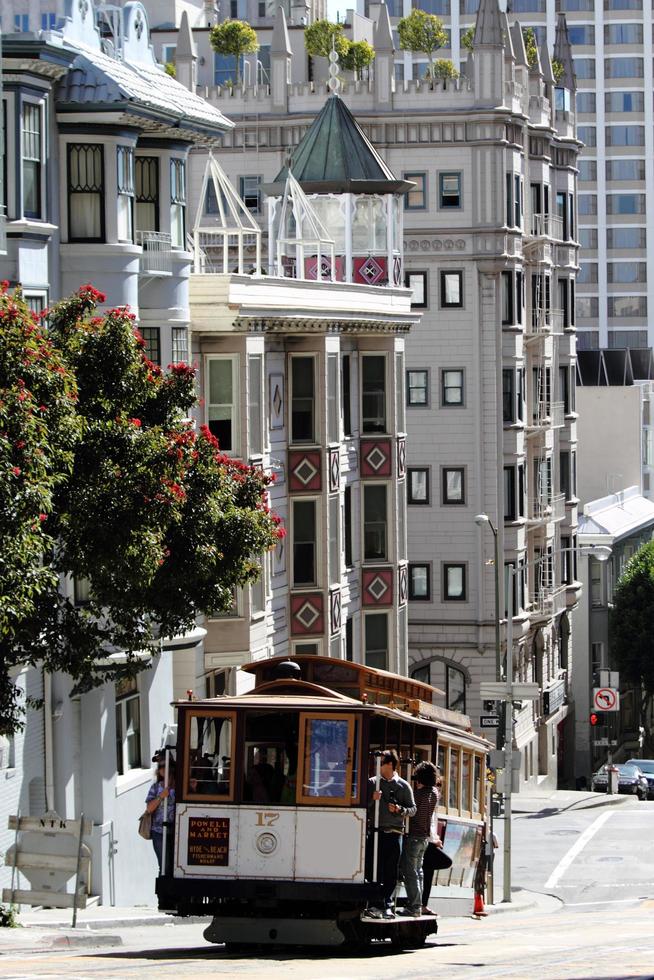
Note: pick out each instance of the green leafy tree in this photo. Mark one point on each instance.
(235, 38)
(467, 39)
(170, 69)
(557, 69)
(322, 35)
(423, 33)
(359, 55)
(631, 629)
(124, 494)
(531, 47)
(444, 69)
(39, 429)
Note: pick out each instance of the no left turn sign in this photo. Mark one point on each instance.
(605, 699)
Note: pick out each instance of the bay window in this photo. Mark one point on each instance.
(146, 172)
(32, 158)
(85, 192)
(373, 392)
(223, 401)
(125, 190)
(303, 399)
(376, 640)
(178, 203)
(304, 531)
(375, 522)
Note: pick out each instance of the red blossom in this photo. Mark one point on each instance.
(136, 422)
(43, 517)
(4, 285)
(16, 470)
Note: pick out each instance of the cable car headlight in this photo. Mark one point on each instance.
(266, 843)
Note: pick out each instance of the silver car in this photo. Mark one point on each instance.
(630, 780)
(646, 766)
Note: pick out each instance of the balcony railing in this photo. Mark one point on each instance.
(157, 255)
(544, 322)
(547, 415)
(545, 507)
(548, 601)
(545, 226)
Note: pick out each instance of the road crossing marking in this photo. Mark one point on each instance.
(576, 849)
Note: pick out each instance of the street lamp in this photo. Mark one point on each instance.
(480, 521)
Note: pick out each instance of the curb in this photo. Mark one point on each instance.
(532, 900)
(97, 924)
(590, 804)
(81, 940)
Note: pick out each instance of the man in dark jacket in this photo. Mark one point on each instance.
(396, 802)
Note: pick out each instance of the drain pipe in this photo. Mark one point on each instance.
(48, 737)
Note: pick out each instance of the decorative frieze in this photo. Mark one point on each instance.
(377, 586)
(308, 614)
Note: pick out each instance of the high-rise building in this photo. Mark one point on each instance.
(490, 252)
(612, 49)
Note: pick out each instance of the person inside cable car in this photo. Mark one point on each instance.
(396, 802)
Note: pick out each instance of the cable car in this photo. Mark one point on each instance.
(273, 821)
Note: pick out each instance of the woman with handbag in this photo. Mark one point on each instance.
(435, 858)
(154, 806)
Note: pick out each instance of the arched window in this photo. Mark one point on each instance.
(456, 689)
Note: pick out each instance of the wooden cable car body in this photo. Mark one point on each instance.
(273, 825)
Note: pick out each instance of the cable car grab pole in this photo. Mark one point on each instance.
(375, 832)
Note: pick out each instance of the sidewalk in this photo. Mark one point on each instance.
(556, 801)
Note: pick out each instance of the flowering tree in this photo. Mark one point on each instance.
(161, 524)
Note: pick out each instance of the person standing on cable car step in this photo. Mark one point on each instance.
(415, 844)
(396, 803)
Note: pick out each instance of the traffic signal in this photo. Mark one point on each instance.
(594, 719)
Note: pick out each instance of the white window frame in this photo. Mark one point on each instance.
(387, 392)
(252, 357)
(299, 643)
(235, 360)
(36, 294)
(389, 536)
(121, 705)
(316, 401)
(236, 611)
(317, 501)
(364, 650)
(40, 104)
(333, 397)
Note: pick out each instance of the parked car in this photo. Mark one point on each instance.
(646, 766)
(630, 780)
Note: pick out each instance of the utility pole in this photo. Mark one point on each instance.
(508, 739)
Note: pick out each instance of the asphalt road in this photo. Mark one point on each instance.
(588, 858)
(599, 865)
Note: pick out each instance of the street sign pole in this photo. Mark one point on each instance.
(508, 739)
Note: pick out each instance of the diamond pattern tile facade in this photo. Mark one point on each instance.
(373, 270)
(335, 611)
(377, 586)
(305, 470)
(376, 457)
(334, 470)
(401, 457)
(307, 614)
(403, 583)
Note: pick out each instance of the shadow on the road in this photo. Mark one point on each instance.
(279, 953)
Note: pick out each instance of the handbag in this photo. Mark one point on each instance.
(145, 826)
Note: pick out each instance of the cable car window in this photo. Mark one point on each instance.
(440, 762)
(209, 752)
(270, 757)
(465, 782)
(453, 780)
(476, 786)
(329, 772)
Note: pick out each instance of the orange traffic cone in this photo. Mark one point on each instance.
(478, 909)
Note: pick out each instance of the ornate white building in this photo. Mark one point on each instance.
(491, 257)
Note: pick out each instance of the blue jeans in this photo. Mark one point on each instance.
(413, 853)
(157, 842)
